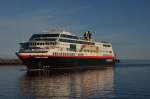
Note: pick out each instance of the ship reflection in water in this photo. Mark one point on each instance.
(69, 84)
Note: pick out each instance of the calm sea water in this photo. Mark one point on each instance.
(127, 80)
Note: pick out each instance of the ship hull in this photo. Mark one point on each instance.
(65, 62)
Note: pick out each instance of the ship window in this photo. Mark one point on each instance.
(75, 41)
(44, 39)
(80, 54)
(35, 36)
(84, 42)
(72, 47)
(67, 40)
(69, 36)
(106, 45)
(68, 49)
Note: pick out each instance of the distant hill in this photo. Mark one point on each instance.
(10, 61)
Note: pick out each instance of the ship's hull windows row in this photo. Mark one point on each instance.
(75, 41)
(47, 43)
(26, 45)
(66, 54)
(63, 54)
(89, 51)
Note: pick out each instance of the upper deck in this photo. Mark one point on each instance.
(50, 40)
(62, 37)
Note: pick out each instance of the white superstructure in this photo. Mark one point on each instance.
(65, 44)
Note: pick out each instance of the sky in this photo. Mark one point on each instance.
(124, 23)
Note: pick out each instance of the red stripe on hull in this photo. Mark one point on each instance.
(50, 56)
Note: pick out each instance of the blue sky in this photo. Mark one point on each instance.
(125, 23)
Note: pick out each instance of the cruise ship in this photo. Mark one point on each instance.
(62, 49)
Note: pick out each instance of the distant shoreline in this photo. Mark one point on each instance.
(10, 62)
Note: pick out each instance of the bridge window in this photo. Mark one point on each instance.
(106, 45)
(69, 36)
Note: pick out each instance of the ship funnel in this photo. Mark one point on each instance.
(87, 35)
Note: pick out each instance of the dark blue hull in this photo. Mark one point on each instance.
(49, 63)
